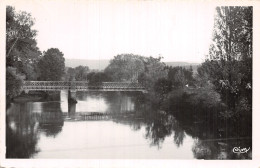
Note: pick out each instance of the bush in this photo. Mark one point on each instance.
(13, 83)
(163, 86)
(96, 78)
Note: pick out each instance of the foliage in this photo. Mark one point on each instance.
(21, 47)
(13, 83)
(180, 76)
(81, 73)
(229, 67)
(154, 69)
(125, 67)
(78, 73)
(129, 67)
(233, 80)
(96, 78)
(70, 74)
(162, 86)
(52, 65)
(232, 34)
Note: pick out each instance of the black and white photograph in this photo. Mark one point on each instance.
(150, 80)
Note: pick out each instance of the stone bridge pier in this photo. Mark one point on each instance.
(72, 108)
(72, 96)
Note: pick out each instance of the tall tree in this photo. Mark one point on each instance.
(229, 65)
(21, 47)
(22, 53)
(232, 34)
(52, 65)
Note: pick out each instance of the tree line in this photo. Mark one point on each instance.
(24, 60)
(223, 81)
(227, 70)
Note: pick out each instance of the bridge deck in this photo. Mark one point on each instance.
(81, 86)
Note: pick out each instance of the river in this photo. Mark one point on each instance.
(54, 129)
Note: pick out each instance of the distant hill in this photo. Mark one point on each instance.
(92, 64)
(174, 64)
(102, 64)
(184, 64)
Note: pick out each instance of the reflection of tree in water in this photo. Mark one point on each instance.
(51, 121)
(157, 128)
(127, 104)
(121, 102)
(83, 95)
(22, 127)
(113, 100)
(51, 129)
(221, 149)
(160, 125)
(21, 133)
(179, 134)
(212, 136)
(204, 150)
(20, 143)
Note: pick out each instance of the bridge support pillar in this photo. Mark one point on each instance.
(72, 108)
(72, 96)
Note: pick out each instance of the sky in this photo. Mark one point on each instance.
(177, 31)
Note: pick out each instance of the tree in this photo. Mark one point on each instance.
(232, 34)
(52, 65)
(13, 83)
(81, 73)
(129, 67)
(70, 74)
(229, 65)
(154, 69)
(180, 76)
(22, 53)
(231, 79)
(21, 47)
(96, 78)
(125, 67)
(162, 86)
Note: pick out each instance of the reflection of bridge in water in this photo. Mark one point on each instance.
(59, 117)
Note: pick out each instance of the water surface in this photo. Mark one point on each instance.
(129, 131)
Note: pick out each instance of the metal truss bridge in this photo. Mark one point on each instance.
(81, 86)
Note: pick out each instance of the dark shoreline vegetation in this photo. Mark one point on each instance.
(217, 98)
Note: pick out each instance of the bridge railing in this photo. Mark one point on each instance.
(57, 85)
